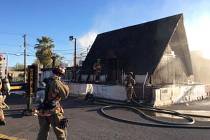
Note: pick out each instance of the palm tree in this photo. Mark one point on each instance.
(44, 51)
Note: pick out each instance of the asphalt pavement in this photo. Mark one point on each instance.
(86, 123)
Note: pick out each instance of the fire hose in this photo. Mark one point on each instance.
(139, 109)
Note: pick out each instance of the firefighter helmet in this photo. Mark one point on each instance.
(130, 73)
(59, 71)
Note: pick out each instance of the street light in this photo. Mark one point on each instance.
(24, 45)
(71, 38)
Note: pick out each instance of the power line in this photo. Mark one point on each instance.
(67, 53)
(13, 34)
(6, 45)
(61, 50)
(41, 35)
(31, 50)
(12, 53)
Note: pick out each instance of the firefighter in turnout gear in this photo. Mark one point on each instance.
(4, 90)
(129, 85)
(50, 112)
(97, 70)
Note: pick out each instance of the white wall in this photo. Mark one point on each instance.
(179, 94)
(173, 94)
(115, 92)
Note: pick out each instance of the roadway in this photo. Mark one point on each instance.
(87, 124)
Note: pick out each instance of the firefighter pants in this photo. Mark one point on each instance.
(46, 121)
(1, 107)
(130, 91)
(1, 114)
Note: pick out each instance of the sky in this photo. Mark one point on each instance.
(84, 19)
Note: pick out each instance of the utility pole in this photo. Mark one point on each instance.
(71, 38)
(24, 45)
(75, 53)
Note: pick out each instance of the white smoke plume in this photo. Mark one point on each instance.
(87, 39)
(198, 32)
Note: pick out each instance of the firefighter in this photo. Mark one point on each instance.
(10, 77)
(50, 112)
(129, 85)
(97, 70)
(4, 90)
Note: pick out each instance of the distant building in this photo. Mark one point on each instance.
(47, 72)
(158, 49)
(17, 75)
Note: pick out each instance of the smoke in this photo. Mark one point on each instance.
(197, 24)
(198, 32)
(87, 39)
(201, 67)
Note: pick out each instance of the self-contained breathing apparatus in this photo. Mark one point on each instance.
(63, 123)
(47, 104)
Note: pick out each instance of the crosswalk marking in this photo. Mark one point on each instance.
(5, 137)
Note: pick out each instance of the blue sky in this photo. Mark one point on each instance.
(84, 19)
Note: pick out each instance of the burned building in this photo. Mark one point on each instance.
(158, 49)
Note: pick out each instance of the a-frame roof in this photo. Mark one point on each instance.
(137, 48)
